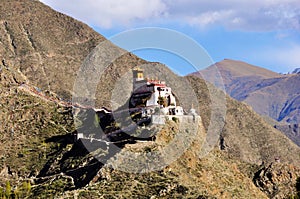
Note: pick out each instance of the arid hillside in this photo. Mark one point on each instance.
(41, 52)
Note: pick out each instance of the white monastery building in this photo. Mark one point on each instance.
(150, 94)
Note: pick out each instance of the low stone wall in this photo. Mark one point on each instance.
(161, 119)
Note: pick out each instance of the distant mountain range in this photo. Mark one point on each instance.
(268, 93)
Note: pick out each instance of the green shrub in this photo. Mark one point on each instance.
(8, 190)
(175, 119)
(1, 192)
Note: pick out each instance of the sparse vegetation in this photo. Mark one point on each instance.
(18, 192)
(38, 156)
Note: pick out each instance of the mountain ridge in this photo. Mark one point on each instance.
(270, 94)
(253, 84)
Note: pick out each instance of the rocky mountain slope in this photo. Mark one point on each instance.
(36, 124)
(246, 135)
(46, 46)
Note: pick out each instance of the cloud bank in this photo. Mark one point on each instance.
(109, 14)
(256, 15)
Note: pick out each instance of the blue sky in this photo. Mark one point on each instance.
(265, 33)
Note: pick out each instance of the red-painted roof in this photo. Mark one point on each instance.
(156, 82)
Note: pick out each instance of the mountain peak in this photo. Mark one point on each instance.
(239, 68)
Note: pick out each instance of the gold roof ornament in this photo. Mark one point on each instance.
(137, 68)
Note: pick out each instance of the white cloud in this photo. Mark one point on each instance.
(209, 18)
(261, 15)
(107, 14)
